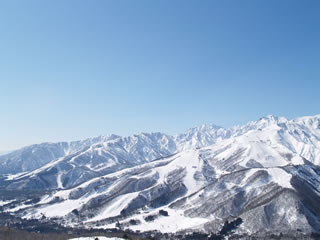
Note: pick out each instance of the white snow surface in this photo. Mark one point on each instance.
(269, 139)
(115, 207)
(280, 176)
(269, 144)
(2, 203)
(176, 222)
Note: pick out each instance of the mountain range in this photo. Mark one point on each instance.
(265, 173)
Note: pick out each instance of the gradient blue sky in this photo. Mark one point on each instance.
(75, 69)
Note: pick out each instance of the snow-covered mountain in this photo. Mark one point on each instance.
(32, 157)
(4, 152)
(64, 165)
(266, 172)
(107, 156)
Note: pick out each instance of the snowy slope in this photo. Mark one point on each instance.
(111, 154)
(106, 156)
(102, 155)
(32, 157)
(266, 172)
(202, 136)
(141, 147)
(188, 188)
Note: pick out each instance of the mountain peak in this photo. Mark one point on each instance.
(273, 119)
(204, 128)
(275, 163)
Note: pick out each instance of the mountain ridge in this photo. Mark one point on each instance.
(266, 173)
(113, 152)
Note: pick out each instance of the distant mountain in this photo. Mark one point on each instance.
(63, 165)
(37, 155)
(266, 173)
(4, 152)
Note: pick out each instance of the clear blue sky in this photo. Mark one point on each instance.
(74, 69)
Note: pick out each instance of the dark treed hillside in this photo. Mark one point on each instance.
(15, 234)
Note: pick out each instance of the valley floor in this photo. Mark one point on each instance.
(16, 234)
